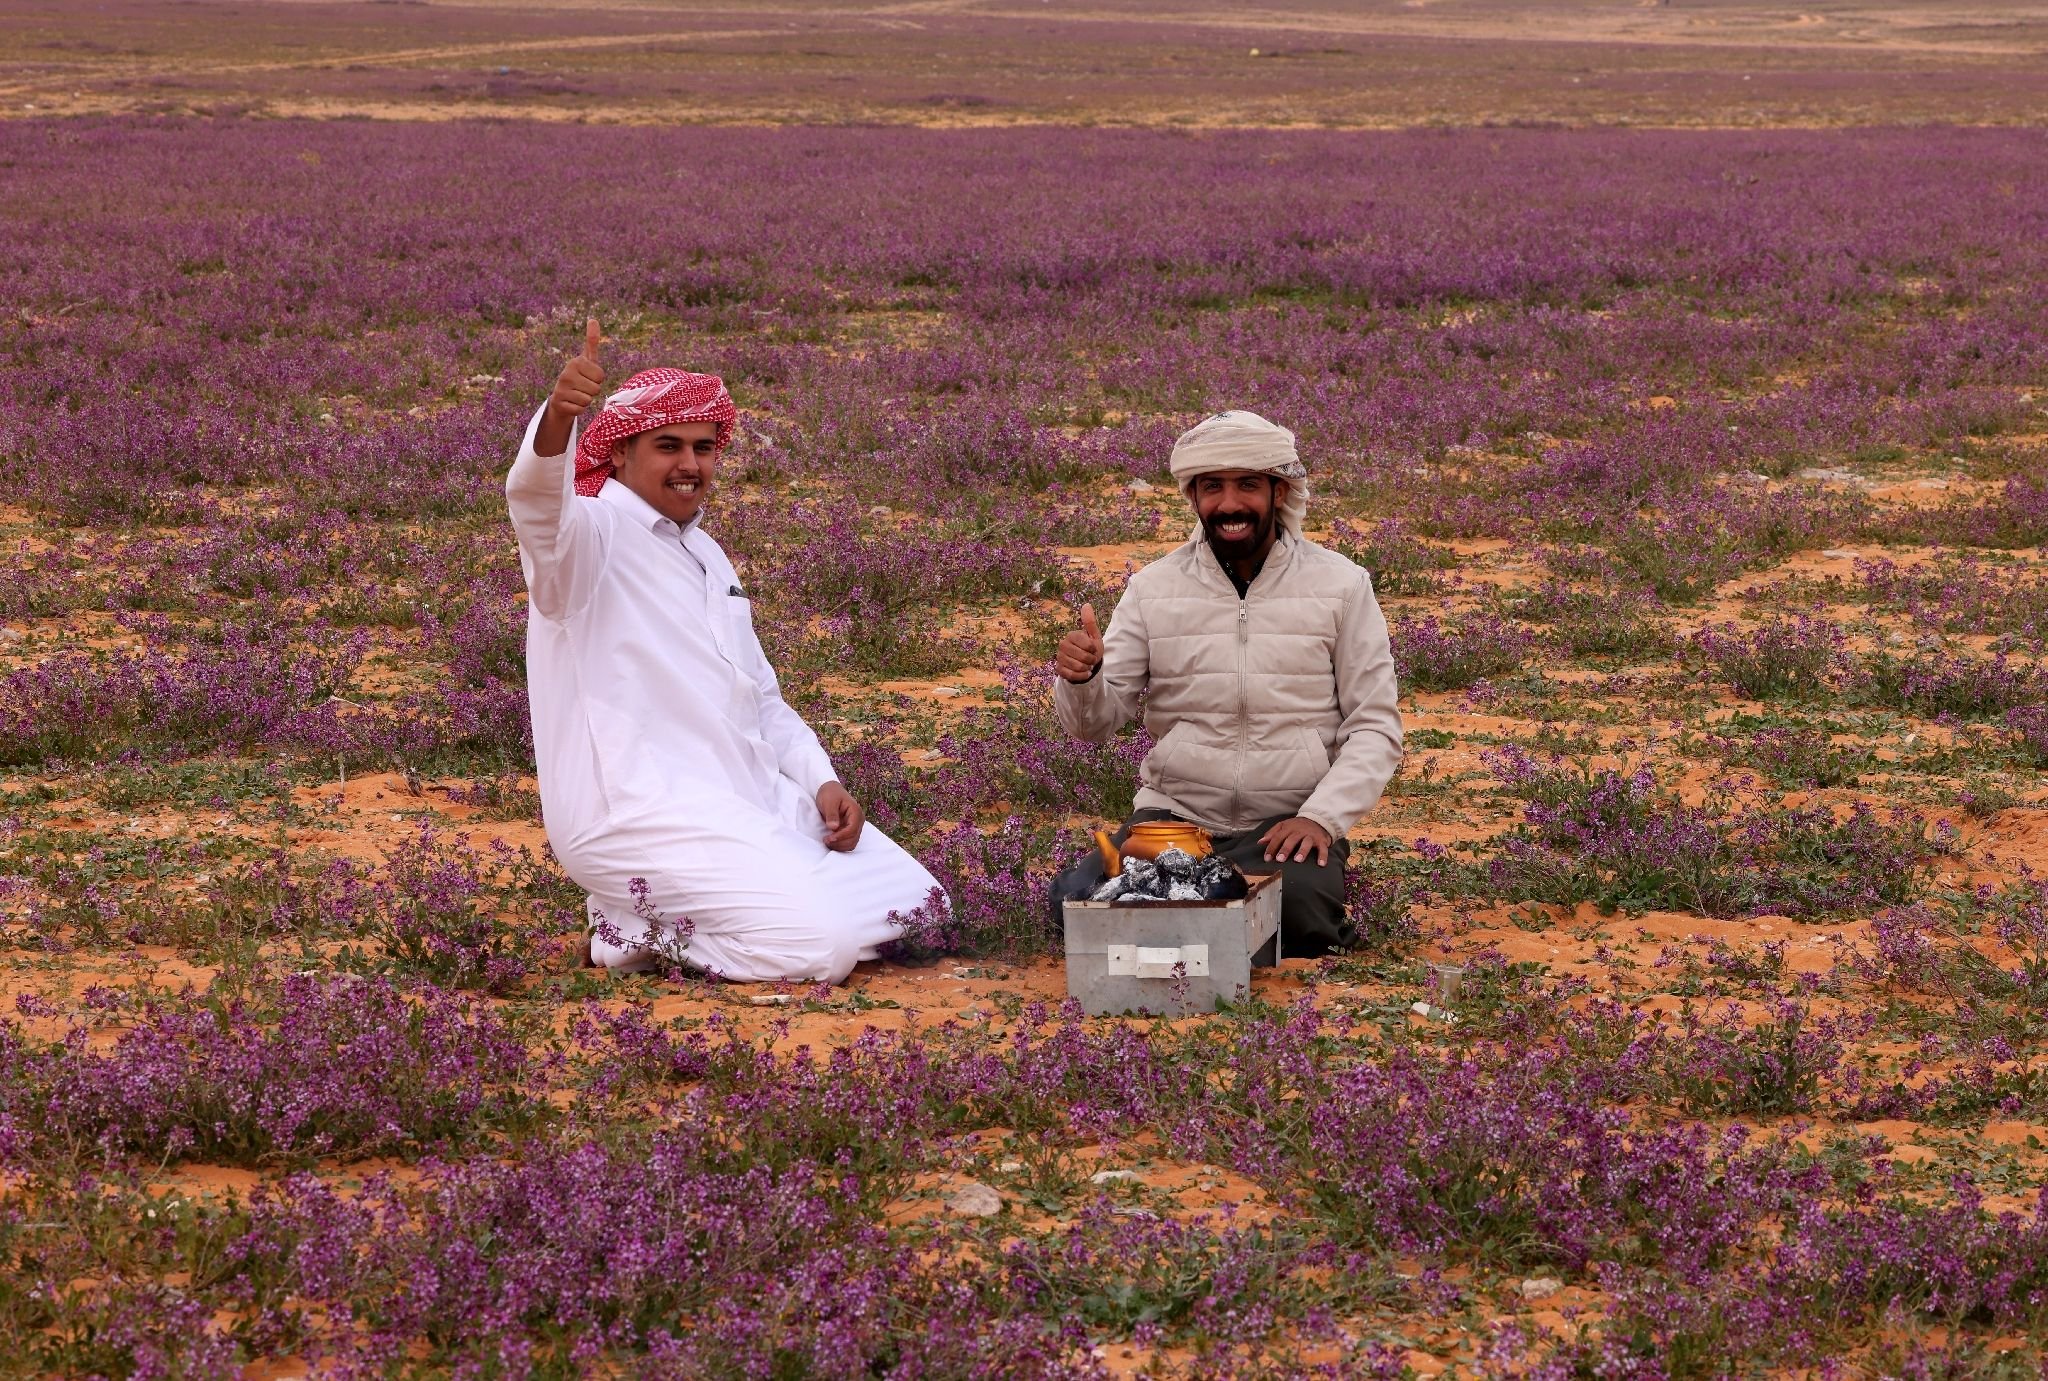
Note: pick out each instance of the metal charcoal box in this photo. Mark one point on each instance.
(1123, 957)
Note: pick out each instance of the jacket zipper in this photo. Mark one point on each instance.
(1243, 714)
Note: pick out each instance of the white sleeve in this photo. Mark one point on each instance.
(1369, 738)
(797, 751)
(561, 548)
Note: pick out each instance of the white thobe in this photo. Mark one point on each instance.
(667, 754)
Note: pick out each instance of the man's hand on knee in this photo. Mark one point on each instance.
(1295, 839)
(843, 817)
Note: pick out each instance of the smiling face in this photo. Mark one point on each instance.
(1238, 509)
(670, 467)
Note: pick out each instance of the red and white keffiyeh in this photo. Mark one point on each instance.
(652, 398)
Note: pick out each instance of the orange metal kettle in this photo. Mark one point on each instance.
(1151, 838)
(1155, 837)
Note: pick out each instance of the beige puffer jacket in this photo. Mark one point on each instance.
(1280, 703)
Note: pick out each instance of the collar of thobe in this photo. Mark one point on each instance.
(642, 512)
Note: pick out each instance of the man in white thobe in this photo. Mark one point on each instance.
(697, 809)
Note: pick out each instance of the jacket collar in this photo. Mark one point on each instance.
(1212, 572)
(642, 512)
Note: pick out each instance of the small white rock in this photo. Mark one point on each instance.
(1931, 484)
(974, 1200)
(769, 999)
(1141, 487)
(1112, 1176)
(1541, 1287)
(1009, 1167)
(1840, 554)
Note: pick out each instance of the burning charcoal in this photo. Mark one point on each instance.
(1183, 891)
(1230, 887)
(1220, 880)
(1141, 875)
(1110, 890)
(1178, 864)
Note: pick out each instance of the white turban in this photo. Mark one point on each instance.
(1243, 441)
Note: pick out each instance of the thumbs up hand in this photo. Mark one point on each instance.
(1080, 652)
(581, 378)
(576, 388)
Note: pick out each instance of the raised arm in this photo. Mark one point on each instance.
(1101, 676)
(559, 548)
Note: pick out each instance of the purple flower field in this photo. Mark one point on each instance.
(1700, 474)
(1372, 64)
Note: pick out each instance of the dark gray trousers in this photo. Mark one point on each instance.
(1312, 916)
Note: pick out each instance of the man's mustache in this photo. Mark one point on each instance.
(1218, 520)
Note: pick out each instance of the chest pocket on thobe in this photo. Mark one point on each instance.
(737, 618)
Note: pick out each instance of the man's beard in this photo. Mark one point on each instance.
(1243, 548)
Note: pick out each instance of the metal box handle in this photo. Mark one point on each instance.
(1148, 961)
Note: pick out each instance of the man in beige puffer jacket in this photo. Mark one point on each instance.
(1271, 685)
